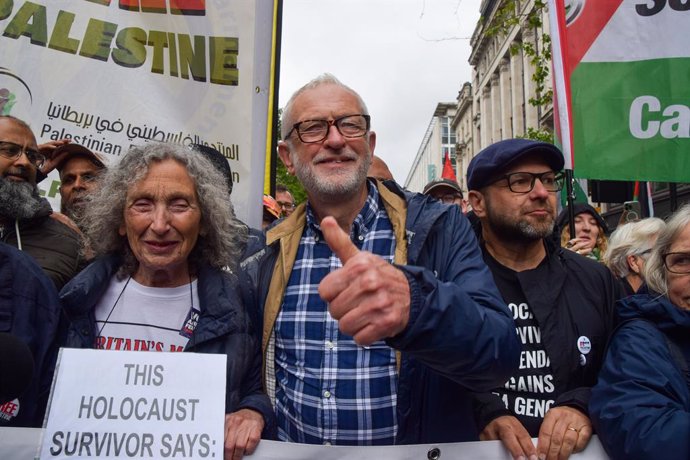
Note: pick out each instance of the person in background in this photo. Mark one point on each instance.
(590, 231)
(628, 249)
(167, 247)
(379, 315)
(27, 221)
(448, 191)
(79, 170)
(255, 236)
(29, 311)
(641, 405)
(562, 304)
(219, 162)
(379, 170)
(285, 200)
(271, 211)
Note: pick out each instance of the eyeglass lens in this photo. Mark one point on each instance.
(677, 262)
(317, 130)
(12, 151)
(523, 182)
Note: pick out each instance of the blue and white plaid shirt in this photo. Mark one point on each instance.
(328, 388)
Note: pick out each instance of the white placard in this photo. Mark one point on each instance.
(122, 404)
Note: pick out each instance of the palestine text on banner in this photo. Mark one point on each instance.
(121, 404)
(626, 64)
(109, 74)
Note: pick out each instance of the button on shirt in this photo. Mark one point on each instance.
(329, 390)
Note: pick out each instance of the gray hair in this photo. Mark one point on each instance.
(631, 239)
(655, 272)
(222, 236)
(287, 119)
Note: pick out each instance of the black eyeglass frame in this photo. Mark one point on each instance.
(558, 180)
(664, 257)
(336, 122)
(286, 205)
(35, 157)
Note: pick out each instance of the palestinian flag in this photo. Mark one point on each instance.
(622, 87)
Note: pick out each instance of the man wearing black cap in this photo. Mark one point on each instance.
(79, 169)
(562, 303)
(448, 191)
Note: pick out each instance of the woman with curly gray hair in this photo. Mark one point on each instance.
(641, 404)
(164, 235)
(628, 249)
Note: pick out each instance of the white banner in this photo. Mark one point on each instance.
(126, 404)
(113, 73)
(21, 444)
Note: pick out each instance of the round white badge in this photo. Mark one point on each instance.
(583, 360)
(584, 345)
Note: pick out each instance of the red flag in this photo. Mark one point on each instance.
(448, 171)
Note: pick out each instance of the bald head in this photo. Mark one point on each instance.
(379, 169)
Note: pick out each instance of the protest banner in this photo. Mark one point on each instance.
(109, 74)
(121, 404)
(20, 444)
(623, 106)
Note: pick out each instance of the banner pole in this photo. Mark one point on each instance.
(673, 196)
(570, 200)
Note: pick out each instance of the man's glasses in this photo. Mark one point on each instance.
(523, 182)
(286, 205)
(449, 198)
(12, 151)
(350, 126)
(677, 262)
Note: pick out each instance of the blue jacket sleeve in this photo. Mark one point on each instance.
(459, 324)
(641, 405)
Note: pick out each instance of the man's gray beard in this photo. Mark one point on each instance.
(19, 200)
(521, 230)
(73, 213)
(325, 188)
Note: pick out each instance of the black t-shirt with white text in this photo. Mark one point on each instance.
(530, 392)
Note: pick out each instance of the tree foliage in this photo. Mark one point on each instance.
(282, 174)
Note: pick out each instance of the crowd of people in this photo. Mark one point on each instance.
(368, 314)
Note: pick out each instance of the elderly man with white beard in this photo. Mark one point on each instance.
(26, 220)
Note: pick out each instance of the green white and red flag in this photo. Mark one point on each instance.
(622, 87)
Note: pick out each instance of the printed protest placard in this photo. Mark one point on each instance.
(109, 74)
(119, 404)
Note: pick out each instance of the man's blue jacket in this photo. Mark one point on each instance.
(641, 405)
(460, 336)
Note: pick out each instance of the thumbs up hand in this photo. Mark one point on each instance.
(369, 297)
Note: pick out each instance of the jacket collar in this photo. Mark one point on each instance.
(217, 290)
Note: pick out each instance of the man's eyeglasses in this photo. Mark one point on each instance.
(12, 151)
(677, 262)
(350, 126)
(523, 182)
(449, 198)
(286, 205)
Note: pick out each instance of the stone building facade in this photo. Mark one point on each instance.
(439, 139)
(495, 105)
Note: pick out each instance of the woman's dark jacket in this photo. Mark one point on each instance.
(641, 405)
(224, 327)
